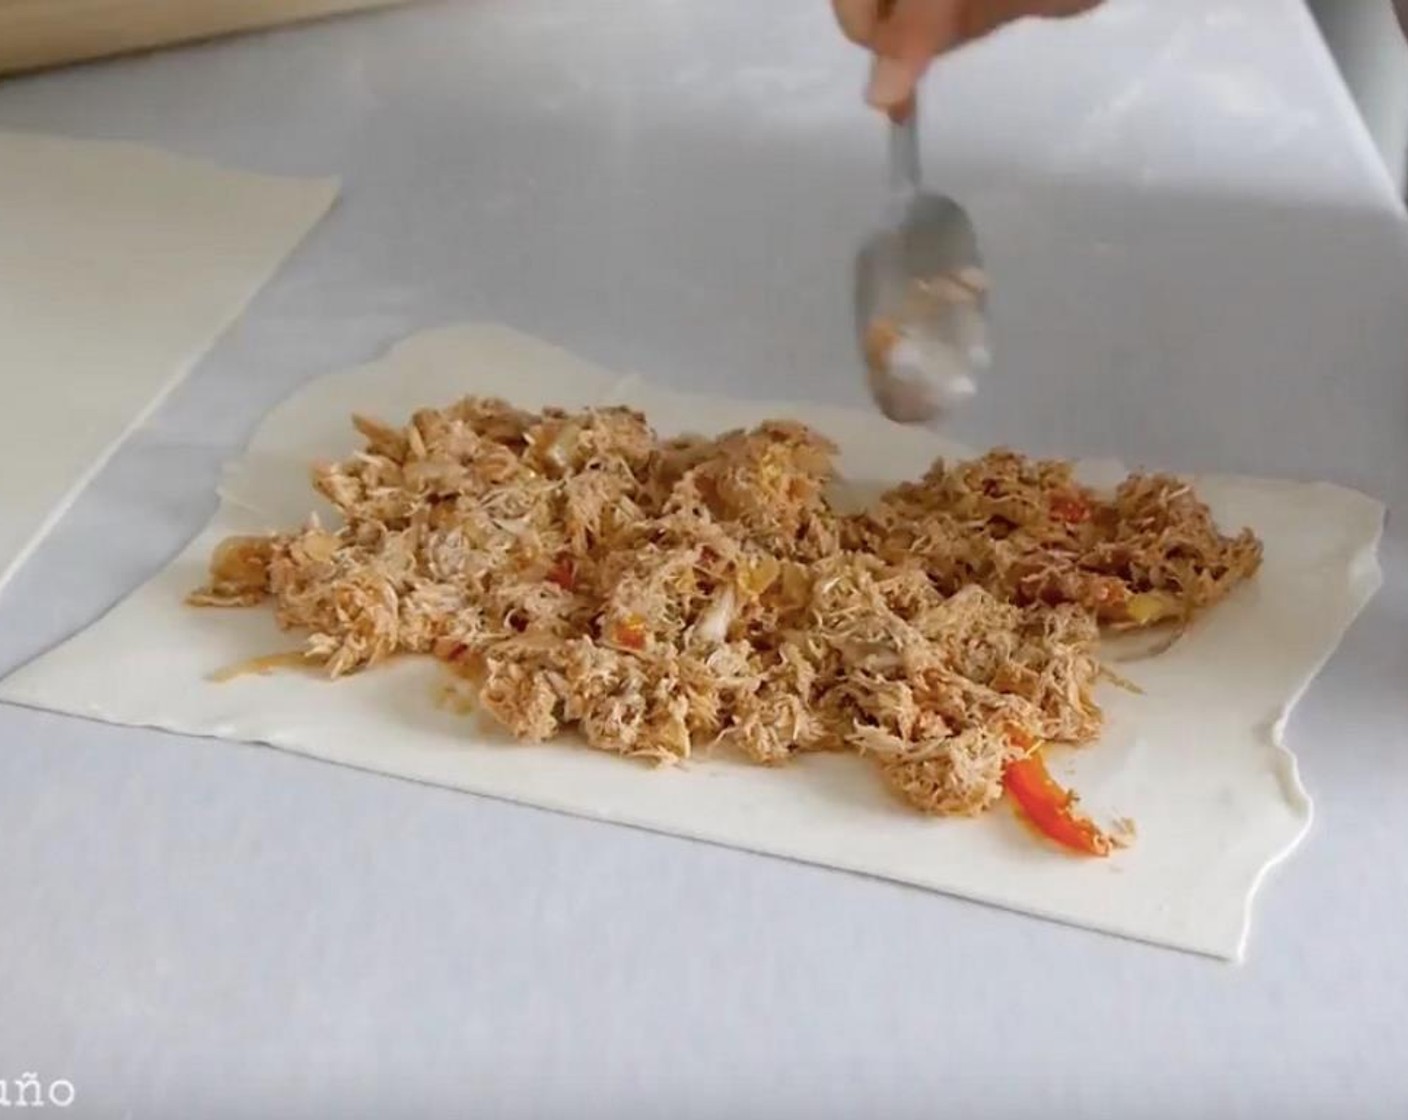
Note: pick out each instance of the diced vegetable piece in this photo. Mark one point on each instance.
(1052, 808)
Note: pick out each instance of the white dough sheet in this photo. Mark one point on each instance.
(1197, 760)
(119, 267)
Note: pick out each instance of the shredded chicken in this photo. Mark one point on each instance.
(662, 596)
(1032, 535)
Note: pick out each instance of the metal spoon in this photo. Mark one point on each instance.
(920, 294)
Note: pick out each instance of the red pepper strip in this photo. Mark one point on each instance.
(1051, 808)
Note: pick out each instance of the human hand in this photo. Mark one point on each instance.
(907, 35)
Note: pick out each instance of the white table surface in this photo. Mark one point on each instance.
(1198, 263)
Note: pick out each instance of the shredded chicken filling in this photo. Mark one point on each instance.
(662, 596)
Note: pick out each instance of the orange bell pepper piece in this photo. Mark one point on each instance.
(629, 633)
(1071, 508)
(1052, 808)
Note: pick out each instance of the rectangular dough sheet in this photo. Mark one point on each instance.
(119, 267)
(1197, 760)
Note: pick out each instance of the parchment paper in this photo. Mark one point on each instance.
(1196, 761)
(119, 266)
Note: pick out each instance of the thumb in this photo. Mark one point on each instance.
(893, 82)
(905, 44)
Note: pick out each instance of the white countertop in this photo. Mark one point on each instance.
(1199, 263)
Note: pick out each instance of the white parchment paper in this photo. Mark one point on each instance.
(1197, 760)
(119, 267)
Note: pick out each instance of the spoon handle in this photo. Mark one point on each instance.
(905, 170)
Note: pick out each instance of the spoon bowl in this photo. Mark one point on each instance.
(920, 295)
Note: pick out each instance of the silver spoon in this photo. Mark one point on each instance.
(920, 294)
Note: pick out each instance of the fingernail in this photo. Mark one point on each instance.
(891, 83)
